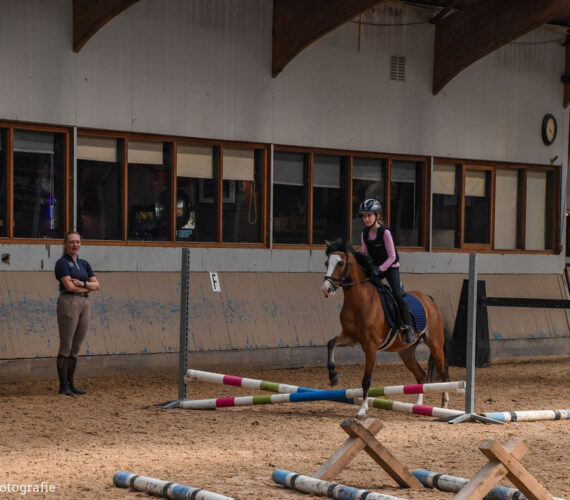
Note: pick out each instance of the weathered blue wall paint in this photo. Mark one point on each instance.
(138, 313)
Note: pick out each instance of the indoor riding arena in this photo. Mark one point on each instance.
(182, 219)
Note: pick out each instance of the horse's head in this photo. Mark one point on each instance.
(339, 254)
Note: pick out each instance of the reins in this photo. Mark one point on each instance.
(342, 283)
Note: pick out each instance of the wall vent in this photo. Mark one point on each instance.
(398, 68)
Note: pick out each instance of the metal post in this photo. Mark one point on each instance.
(471, 334)
(184, 299)
(470, 415)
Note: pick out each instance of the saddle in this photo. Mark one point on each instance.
(391, 308)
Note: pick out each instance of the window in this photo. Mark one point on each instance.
(445, 206)
(149, 197)
(39, 164)
(99, 204)
(3, 186)
(539, 206)
(406, 202)
(477, 209)
(368, 181)
(243, 177)
(330, 208)
(290, 198)
(196, 193)
(508, 222)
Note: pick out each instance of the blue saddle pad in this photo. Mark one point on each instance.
(414, 305)
(417, 312)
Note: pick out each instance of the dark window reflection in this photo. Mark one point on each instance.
(329, 202)
(290, 224)
(406, 199)
(149, 192)
(241, 191)
(38, 184)
(367, 182)
(477, 207)
(99, 189)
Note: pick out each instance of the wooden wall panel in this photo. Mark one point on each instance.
(138, 313)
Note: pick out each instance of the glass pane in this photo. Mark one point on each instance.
(507, 209)
(329, 204)
(196, 193)
(290, 197)
(445, 207)
(538, 209)
(38, 184)
(406, 201)
(368, 181)
(149, 193)
(99, 190)
(242, 182)
(3, 186)
(477, 206)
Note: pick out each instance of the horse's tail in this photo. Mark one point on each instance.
(432, 370)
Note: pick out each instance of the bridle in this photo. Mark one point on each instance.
(341, 282)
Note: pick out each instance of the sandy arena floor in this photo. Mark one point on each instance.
(75, 445)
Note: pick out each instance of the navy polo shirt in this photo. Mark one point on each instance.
(65, 266)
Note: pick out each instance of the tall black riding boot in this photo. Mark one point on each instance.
(70, 372)
(407, 326)
(62, 367)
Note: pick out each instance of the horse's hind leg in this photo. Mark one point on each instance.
(409, 358)
(332, 344)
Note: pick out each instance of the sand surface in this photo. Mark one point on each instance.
(76, 444)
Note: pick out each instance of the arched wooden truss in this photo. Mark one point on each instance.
(465, 30)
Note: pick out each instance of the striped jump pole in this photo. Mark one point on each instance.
(428, 411)
(316, 486)
(164, 489)
(453, 484)
(528, 415)
(250, 383)
(342, 396)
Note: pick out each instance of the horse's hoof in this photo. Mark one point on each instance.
(360, 417)
(334, 380)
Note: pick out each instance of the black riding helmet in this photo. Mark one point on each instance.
(370, 206)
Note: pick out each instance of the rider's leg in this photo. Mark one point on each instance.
(393, 278)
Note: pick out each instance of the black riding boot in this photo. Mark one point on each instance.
(407, 322)
(62, 367)
(70, 373)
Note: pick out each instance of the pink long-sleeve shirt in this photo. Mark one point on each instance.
(390, 249)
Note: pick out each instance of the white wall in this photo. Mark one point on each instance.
(202, 68)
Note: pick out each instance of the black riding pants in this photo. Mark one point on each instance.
(392, 275)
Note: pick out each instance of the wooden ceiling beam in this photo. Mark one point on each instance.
(467, 35)
(299, 23)
(89, 16)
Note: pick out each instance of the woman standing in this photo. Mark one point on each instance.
(377, 243)
(76, 281)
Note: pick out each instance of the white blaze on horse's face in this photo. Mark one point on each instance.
(333, 262)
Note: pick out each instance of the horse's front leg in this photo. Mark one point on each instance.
(369, 362)
(333, 375)
(332, 344)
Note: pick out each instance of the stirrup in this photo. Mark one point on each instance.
(407, 335)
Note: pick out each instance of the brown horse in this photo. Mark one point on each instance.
(363, 321)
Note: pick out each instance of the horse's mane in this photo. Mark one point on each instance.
(363, 260)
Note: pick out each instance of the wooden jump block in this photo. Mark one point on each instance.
(503, 461)
(362, 437)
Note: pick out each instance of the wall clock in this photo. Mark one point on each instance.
(549, 129)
